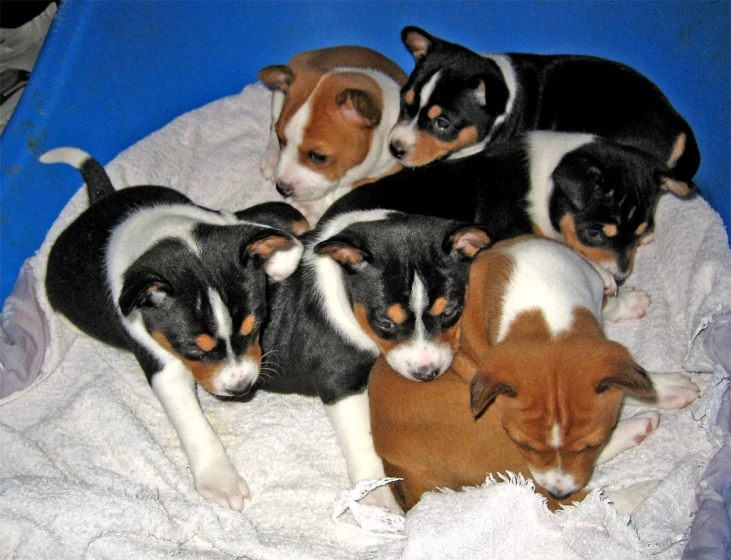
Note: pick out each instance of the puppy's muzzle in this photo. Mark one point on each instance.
(425, 373)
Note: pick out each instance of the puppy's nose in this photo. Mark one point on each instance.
(560, 496)
(284, 189)
(397, 150)
(425, 373)
(240, 389)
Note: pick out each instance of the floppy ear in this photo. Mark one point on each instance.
(344, 252)
(279, 252)
(682, 189)
(578, 178)
(484, 389)
(628, 377)
(466, 242)
(277, 76)
(492, 93)
(142, 289)
(418, 41)
(359, 106)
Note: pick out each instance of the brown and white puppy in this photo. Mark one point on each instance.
(332, 110)
(535, 387)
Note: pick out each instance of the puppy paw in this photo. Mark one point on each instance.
(627, 500)
(221, 483)
(627, 304)
(628, 434)
(674, 390)
(382, 497)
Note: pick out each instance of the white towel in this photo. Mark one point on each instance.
(90, 466)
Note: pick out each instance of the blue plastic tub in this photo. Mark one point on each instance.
(111, 72)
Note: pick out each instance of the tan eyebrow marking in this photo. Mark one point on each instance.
(409, 96)
(396, 313)
(205, 342)
(610, 230)
(642, 228)
(440, 304)
(434, 112)
(248, 325)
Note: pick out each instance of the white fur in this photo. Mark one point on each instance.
(284, 261)
(556, 481)
(352, 422)
(308, 184)
(330, 285)
(72, 156)
(214, 476)
(627, 304)
(545, 151)
(268, 163)
(542, 273)
(556, 439)
(629, 433)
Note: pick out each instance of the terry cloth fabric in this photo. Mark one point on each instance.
(91, 467)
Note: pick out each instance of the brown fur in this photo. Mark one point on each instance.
(495, 408)
(595, 254)
(427, 148)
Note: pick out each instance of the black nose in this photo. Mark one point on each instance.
(284, 189)
(560, 496)
(425, 373)
(397, 150)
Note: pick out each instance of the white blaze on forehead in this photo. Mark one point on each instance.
(556, 436)
(224, 324)
(428, 89)
(405, 132)
(418, 301)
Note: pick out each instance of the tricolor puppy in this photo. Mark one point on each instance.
(457, 101)
(332, 110)
(370, 283)
(183, 288)
(595, 195)
(535, 386)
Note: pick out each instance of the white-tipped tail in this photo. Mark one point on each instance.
(72, 156)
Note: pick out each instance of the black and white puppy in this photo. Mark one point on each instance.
(370, 283)
(183, 288)
(457, 101)
(594, 195)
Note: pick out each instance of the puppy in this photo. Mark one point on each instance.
(370, 283)
(332, 110)
(596, 196)
(457, 101)
(183, 288)
(535, 386)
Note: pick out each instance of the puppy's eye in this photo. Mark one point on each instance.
(441, 123)
(525, 446)
(318, 158)
(594, 235)
(450, 312)
(195, 354)
(386, 325)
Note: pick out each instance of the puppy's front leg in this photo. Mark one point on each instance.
(215, 477)
(268, 164)
(352, 422)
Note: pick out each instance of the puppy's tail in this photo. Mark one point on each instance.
(97, 181)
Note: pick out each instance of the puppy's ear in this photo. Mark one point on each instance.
(578, 178)
(142, 289)
(279, 215)
(345, 252)
(492, 93)
(628, 377)
(280, 253)
(484, 389)
(277, 76)
(359, 106)
(682, 189)
(418, 41)
(466, 242)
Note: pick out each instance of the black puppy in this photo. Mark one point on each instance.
(457, 101)
(182, 287)
(370, 283)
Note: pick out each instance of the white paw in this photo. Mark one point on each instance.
(627, 500)
(627, 304)
(220, 483)
(674, 390)
(628, 434)
(382, 497)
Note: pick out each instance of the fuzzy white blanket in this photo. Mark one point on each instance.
(90, 467)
